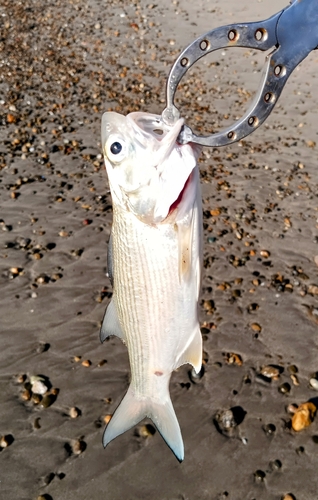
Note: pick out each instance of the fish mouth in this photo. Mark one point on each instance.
(150, 127)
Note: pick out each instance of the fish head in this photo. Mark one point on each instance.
(146, 167)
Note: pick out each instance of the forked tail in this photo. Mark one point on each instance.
(132, 410)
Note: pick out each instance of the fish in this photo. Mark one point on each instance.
(154, 264)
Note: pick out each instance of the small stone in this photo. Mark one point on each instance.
(34, 295)
(303, 416)
(294, 379)
(284, 388)
(5, 441)
(270, 372)
(11, 118)
(26, 395)
(215, 212)
(256, 327)
(231, 358)
(269, 429)
(292, 369)
(74, 412)
(107, 418)
(37, 256)
(78, 446)
(102, 363)
(291, 409)
(15, 270)
(49, 398)
(312, 289)
(77, 359)
(21, 378)
(259, 476)
(314, 383)
(36, 423)
(289, 496)
(42, 279)
(63, 234)
(265, 254)
(36, 399)
(86, 363)
(146, 430)
(38, 387)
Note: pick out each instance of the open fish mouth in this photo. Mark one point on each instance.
(150, 127)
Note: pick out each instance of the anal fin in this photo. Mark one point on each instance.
(111, 325)
(193, 352)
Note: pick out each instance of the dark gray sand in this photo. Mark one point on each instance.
(62, 64)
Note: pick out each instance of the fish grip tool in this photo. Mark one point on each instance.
(292, 32)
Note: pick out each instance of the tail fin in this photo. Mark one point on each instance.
(132, 410)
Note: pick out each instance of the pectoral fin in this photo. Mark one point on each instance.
(111, 325)
(193, 353)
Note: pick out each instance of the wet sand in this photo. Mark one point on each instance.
(62, 65)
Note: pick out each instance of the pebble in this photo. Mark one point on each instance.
(270, 372)
(231, 358)
(146, 430)
(39, 387)
(291, 409)
(313, 289)
(42, 279)
(102, 363)
(86, 363)
(303, 416)
(36, 423)
(314, 383)
(5, 441)
(21, 378)
(49, 398)
(294, 379)
(289, 496)
(44, 497)
(77, 359)
(269, 429)
(78, 446)
(26, 395)
(107, 418)
(265, 254)
(74, 412)
(284, 388)
(292, 369)
(256, 327)
(15, 270)
(36, 399)
(259, 476)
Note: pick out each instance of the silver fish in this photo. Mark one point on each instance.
(155, 260)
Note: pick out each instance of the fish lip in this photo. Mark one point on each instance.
(145, 126)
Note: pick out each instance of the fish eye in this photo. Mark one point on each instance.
(116, 148)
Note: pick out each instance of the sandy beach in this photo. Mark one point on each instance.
(62, 64)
